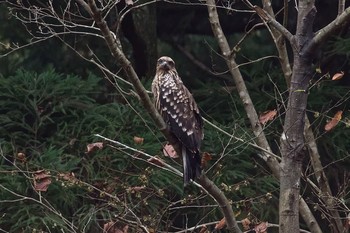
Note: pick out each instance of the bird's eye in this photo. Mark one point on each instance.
(160, 61)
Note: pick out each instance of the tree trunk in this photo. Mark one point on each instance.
(292, 141)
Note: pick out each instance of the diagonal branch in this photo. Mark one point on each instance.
(241, 88)
(267, 16)
(324, 33)
(273, 22)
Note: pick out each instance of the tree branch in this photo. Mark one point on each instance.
(252, 115)
(341, 6)
(269, 18)
(241, 87)
(330, 29)
(324, 188)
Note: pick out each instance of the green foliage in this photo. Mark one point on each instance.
(50, 118)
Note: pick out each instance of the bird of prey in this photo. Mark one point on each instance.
(181, 114)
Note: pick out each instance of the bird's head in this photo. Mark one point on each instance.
(165, 64)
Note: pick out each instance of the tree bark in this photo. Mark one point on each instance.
(292, 141)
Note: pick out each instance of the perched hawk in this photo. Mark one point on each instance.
(180, 112)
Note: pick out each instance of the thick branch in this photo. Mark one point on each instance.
(330, 29)
(111, 41)
(241, 87)
(223, 202)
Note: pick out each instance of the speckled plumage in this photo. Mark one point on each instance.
(180, 112)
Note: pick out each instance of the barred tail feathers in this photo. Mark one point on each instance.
(191, 165)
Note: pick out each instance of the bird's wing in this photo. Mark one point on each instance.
(180, 112)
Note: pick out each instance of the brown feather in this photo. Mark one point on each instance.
(178, 109)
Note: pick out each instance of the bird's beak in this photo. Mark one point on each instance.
(164, 65)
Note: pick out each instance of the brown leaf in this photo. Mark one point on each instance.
(129, 2)
(220, 224)
(267, 116)
(205, 158)
(41, 174)
(169, 151)
(156, 161)
(42, 180)
(138, 140)
(335, 120)
(246, 224)
(21, 157)
(204, 229)
(93, 147)
(338, 76)
(261, 228)
(114, 227)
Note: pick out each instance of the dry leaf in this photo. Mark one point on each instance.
(129, 2)
(338, 76)
(42, 180)
(267, 116)
(246, 224)
(41, 174)
(204, 229)
(335, 120)
(156, 161)
(205, 158)
(169, 151)
(138, 140)
(220, 224)
(93, 147)
(261, 228)
(21, 157)
(113, 227)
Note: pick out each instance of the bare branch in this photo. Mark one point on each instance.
(273, 22)
(341, 7)
(241, 88)
(325, 192)
(270, 19)
(339, 22)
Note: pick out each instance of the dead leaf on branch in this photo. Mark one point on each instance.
(156, 161)
(42, 180)
(21, 157)
(261, 228)
(220, 224)
(246, 224)
(169, 151)
(335, 120)
(267, 116)
(338, 76)
(93, 147)
(204, 229)
(114, 227)
(206, 157)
